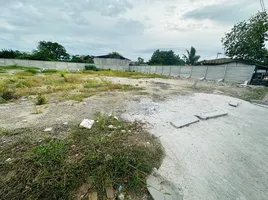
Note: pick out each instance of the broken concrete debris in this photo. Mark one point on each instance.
(233, 103)
(87, 123)
(123, 131)
(49, 129)
(161, 189)
(8, 160)
(209, 115)
(110, 193)
(178, 123)
(93, 196)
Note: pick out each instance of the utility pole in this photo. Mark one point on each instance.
(262, 5)
(218, 55)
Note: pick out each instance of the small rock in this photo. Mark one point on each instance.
(24, 121)
(8, 160)
(115, 117)
(148, 142)
(121, 196)
(110, 193)
(73, 146)
(49, 129)
(84, 103)
(87, 123)
(111, 127)
(129, 131)
(137, 85)
(93, 196)
(23, 99)
(123, 131)
(65, 123)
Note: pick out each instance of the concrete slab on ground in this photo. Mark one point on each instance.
(212, 114)
(179, 123)
(233, 103)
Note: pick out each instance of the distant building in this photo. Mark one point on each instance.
(257, 76)
(111, 59)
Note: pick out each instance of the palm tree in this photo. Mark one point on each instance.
(191, 58)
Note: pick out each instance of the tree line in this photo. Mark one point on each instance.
(46, 51)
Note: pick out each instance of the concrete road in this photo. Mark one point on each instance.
(222, 158)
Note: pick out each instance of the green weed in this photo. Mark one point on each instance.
(55, 169)
(41, 99)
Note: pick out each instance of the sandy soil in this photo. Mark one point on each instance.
(221, 158)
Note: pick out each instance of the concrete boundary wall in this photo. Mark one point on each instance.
(232, 72)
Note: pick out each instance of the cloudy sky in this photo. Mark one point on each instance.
(132, 27)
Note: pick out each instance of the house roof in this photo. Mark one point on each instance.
(113, 56)
(219, 61)
(222, 61)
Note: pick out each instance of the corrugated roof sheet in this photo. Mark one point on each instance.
(219, 61)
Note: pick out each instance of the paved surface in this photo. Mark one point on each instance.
(222, 158)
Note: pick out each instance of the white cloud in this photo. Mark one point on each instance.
(132, 27)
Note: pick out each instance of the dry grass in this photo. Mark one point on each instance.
(74, 86)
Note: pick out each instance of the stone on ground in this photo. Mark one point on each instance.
(178, 123)
(210, 115)
(93, 196)
(49, 129)
(233, 103)
(110, 193)
(87, 123)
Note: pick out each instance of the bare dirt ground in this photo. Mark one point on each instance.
(221, 158)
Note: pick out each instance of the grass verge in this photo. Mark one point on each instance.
(100, 157)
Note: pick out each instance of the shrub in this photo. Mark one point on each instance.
(33, 71)
(41, 99)
(8, 94)
(91, 67)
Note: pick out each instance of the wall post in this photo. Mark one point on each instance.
(162, 70)
(169, 70)
(225, 72)
(206, 73)
(191, 71)
(180, 71)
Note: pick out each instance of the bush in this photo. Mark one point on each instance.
(41, 99)
(8, 94)
(91, 67)
(33, 71)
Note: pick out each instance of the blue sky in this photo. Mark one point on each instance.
(132, 27)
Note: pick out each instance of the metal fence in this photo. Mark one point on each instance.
(232, 72)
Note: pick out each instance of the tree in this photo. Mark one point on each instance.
(8, 53)
(115, 53)
(191, 58)
(247, 39)
(51, 51)
(140, 60)
(165, 58)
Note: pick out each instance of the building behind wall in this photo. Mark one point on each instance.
(111, 59)
(241, 70)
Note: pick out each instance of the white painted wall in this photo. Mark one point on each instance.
(231, 72)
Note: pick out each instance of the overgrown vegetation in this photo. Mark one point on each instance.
(62, 85)
(101, 157)
(91, 67)
(41, 99)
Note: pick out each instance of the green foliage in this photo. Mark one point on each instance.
(81, 59)
(91, 67)
(8, 94)
(33, 71)
(165, 58)
(140, 61)
(47, 50)
(247, 39)
(191, 58)
(49, 71)
(8, 53)
(55, 169)
(41, 99)
(17, 67)
(115, 53)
